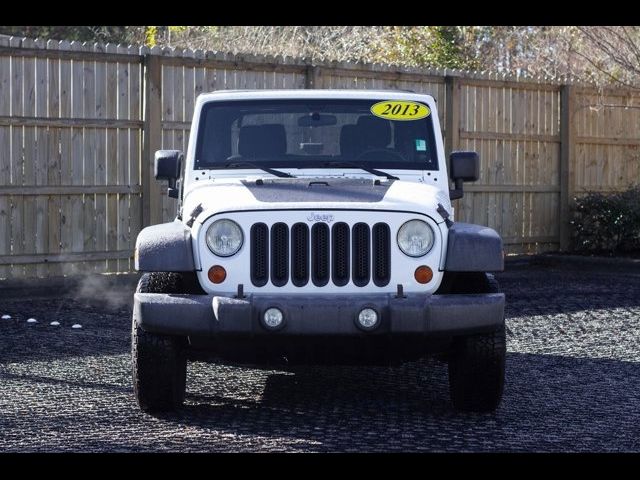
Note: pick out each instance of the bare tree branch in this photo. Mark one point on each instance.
(600, 69)
(634, 47)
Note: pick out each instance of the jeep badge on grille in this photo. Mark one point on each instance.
(320, 217)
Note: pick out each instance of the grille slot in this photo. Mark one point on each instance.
(300, 254)
(361, 254)
(381, 254)
(279, 254)
(259, 254)
(340, 255)
(320, 254)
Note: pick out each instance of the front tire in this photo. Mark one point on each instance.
(476, 371)
(159, 362)
(477, 362)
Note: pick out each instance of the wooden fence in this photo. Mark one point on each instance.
(79, 125)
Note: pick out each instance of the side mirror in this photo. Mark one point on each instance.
(463, 167)
(167, 166)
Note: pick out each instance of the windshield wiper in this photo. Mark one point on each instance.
(372, 171)
(277, 173)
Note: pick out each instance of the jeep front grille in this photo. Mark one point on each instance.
(320, 254)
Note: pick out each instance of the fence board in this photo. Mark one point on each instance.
(17, 204)
(42, 145)
(53, 159)
(5, 84)
(124, 106)
(75, 241)
(5, 160)
(90, 139)
(64, 202)
(16, 209)
(99, 176)
(29, 201)
(5, 205)
(135, 217)
(135, 156)
(152, 137)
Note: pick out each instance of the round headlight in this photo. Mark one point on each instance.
(415, 238)
(224, 237)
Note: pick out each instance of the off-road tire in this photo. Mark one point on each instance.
(477, 362)
(159, 363)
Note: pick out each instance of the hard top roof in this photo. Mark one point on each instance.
(377, 94)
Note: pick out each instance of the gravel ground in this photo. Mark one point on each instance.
(573, 383)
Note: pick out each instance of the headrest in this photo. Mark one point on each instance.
(262, 140)
(375, 132)
(350, 141)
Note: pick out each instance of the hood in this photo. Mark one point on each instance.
(315, 193)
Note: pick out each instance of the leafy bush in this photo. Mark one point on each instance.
(607, 222)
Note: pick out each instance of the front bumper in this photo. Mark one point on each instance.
(210, 315)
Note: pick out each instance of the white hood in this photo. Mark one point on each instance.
(322, 193)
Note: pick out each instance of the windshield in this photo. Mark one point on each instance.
(306, 133)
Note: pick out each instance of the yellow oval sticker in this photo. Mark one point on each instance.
(400, 110)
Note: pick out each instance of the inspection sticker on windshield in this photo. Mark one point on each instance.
(400, 110)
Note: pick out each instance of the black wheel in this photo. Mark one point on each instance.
(159, 362)
(477, 362)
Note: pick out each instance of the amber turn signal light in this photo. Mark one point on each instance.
(423, 274)
(217, 274)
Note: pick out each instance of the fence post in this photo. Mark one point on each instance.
(152, 134)
(452, 112)
(567, 144)
(312, 77)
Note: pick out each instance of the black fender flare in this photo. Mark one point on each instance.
(473, 248)
(164, 248)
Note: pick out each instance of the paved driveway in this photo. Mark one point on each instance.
(573, 383)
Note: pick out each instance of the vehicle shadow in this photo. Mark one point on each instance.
(550, 403)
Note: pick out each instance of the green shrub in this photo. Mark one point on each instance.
(607, 222)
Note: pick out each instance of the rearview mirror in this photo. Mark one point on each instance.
(167, 165)
(316, 119)
(463, 167)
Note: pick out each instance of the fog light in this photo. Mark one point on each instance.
(217, 274)
(272, 317)
(423, 274)
(368, 319)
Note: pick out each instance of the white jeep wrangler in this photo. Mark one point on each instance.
(315, 226)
